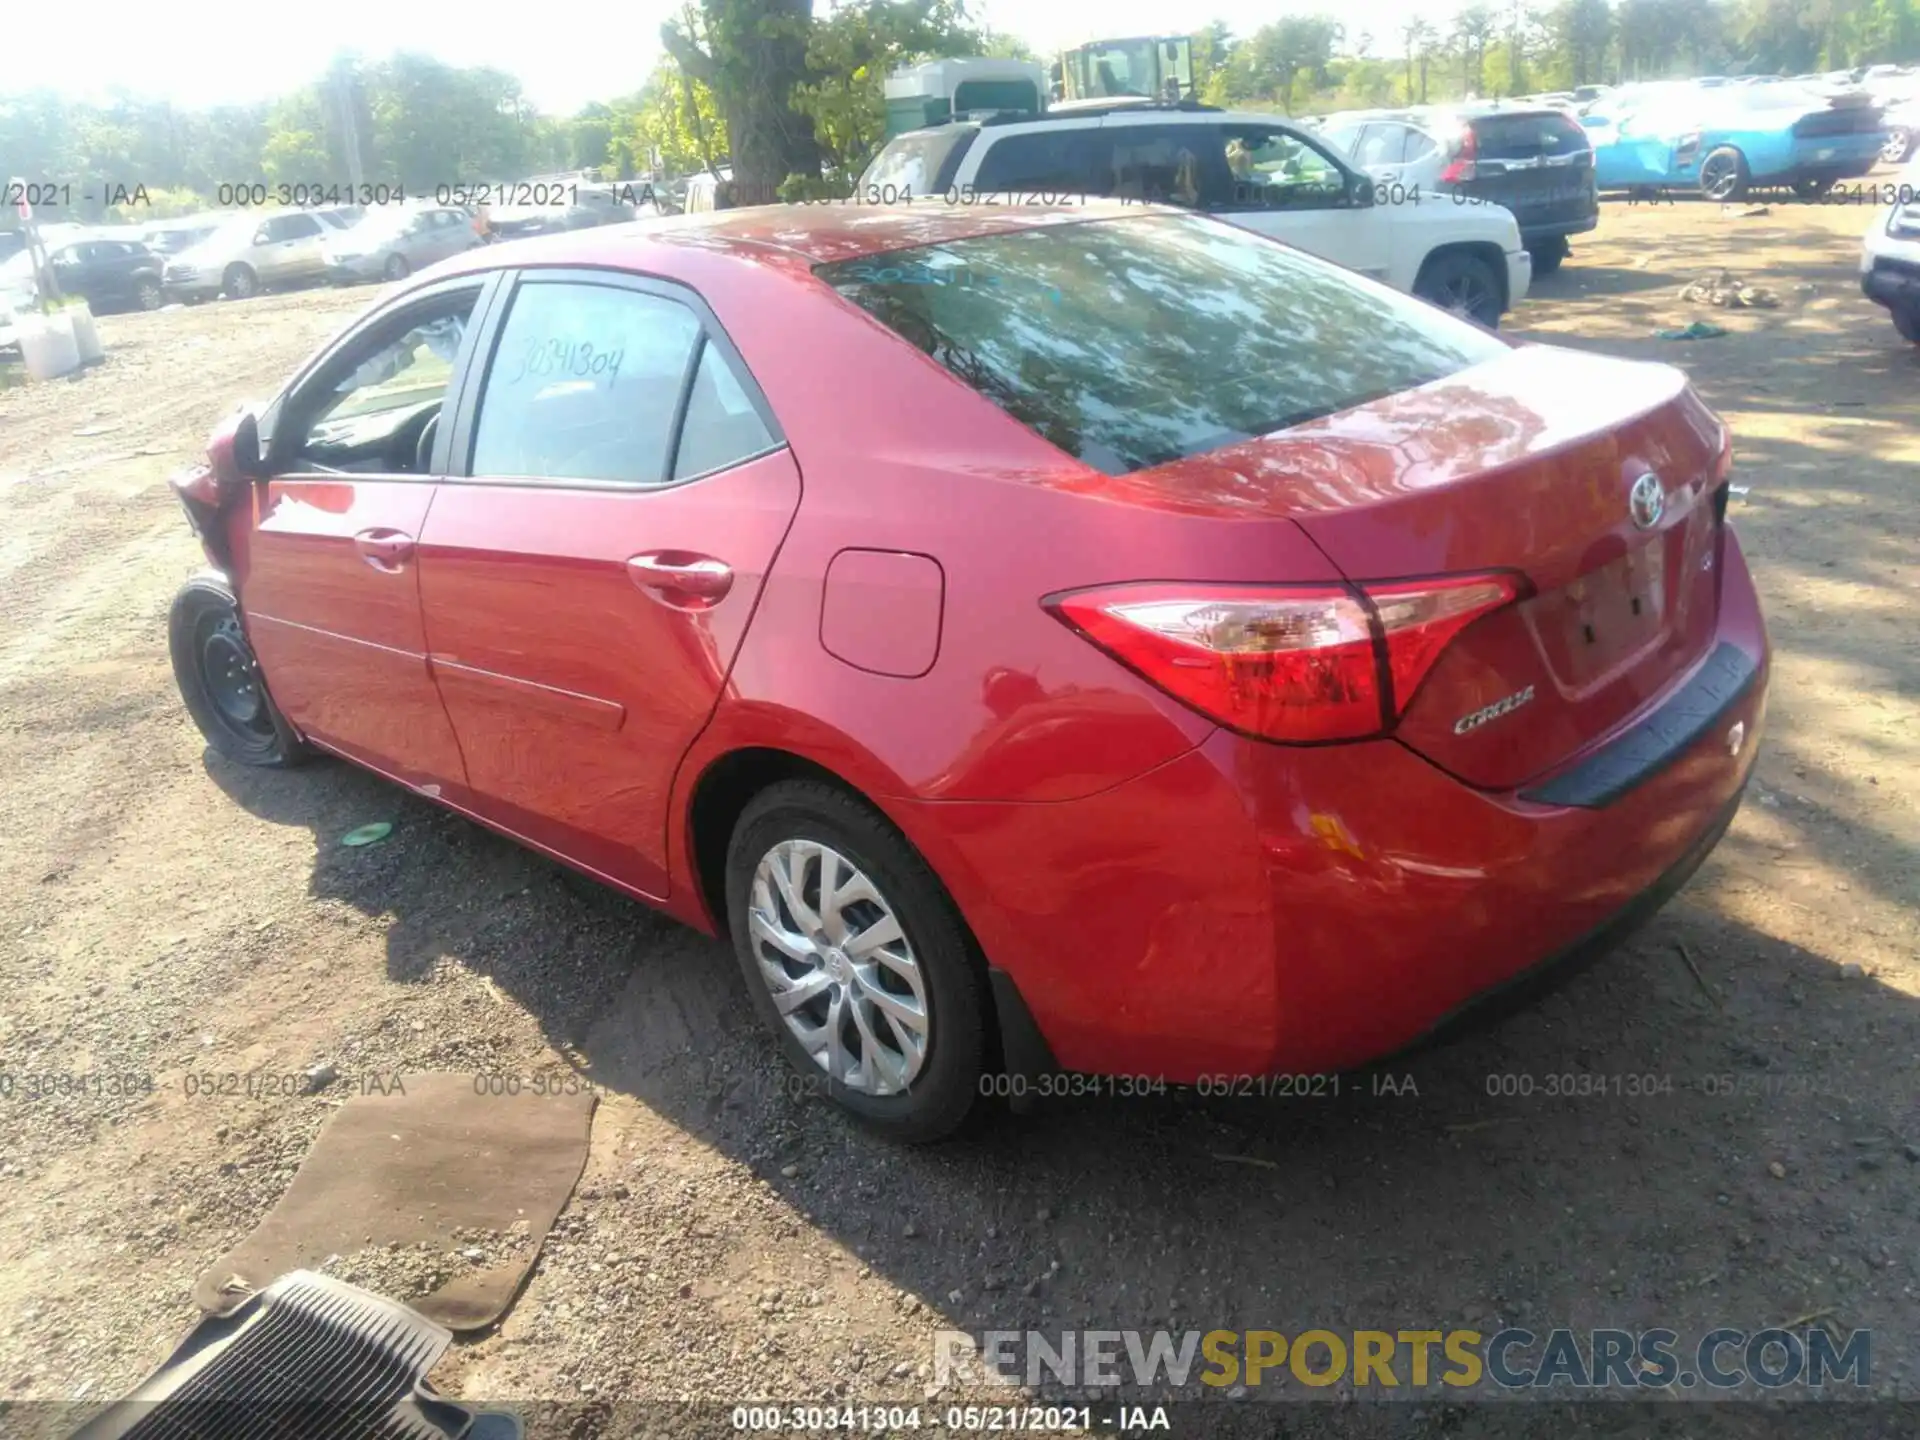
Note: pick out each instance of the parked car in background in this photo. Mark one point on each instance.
(392, 242)
(1263, 172)
(1890, 256)
(702, 194)
(1724, 141)
(173, 237)
(102, 267)
(1184, 657)
(1900, 115)
(1534, 160)
(251, 253)
(109, 274)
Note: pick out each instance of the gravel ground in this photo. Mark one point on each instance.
(167, 919)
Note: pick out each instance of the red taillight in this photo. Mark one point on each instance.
(1298, 663)
(1461, 167)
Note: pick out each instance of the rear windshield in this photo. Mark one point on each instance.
(924, 161)
(1527, 137)
(1137, 341)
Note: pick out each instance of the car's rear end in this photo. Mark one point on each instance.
(1890, 255)
(1840, 140)
(1483, 662)
(1537, 162)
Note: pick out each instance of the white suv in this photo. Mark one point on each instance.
(1263, 172)
(1890, 258)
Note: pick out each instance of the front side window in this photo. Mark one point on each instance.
(367, 410)
(1134, 342)
(585, 384)
(1275, 169)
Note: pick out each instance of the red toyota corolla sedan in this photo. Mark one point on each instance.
(1102, 640)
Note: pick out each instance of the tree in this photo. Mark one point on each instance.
(1473, 31)
(1580, 31)
(849, 55)
(753, 53)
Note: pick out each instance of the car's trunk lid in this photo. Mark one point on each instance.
(1526, 463)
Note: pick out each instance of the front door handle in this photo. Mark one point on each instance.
(385, 550)
(681, 578)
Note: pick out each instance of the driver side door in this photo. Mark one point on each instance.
(327, 578)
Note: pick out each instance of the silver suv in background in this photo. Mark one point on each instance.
(250, 253)
(390, 244)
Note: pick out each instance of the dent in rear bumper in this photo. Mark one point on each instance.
(1250, 909)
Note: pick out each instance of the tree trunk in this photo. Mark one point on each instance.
(759, 53)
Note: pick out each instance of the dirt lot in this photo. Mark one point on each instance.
(165, 913)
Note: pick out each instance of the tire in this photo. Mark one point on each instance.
(220, 680)
(907, 1097)
(1812, 188)
(1898, 148)
(1464, 284)
(1906, 319)
(240, 282)
(147, 295)
(1723, 174)
(1547, 254)
(397, 268)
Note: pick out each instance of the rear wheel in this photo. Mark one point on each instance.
(1897, 147)
(1463, 284)
(396, 267)
(240, 282)
(1723, 174)
(1547, 254)
(220, 680)
(857, 958)
(1906, 319)
(147, 294)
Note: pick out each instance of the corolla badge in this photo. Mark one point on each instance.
(1492, 712)
(1647, 501)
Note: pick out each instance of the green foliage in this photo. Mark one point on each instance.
(851, 51)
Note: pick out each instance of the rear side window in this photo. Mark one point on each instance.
(722, 428)
(1527, 137)
(584, 385)
(1050, 162)
(924, 162)
(1381, 145)
(1134, 342)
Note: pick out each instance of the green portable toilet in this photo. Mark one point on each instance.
(943, 90)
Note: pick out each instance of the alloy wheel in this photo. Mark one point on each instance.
(830, 950)
(1719, 177)
(1468, 296)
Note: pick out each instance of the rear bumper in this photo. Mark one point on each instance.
(1258, 909)
(1558, 229)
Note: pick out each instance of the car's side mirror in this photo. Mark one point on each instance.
(233, 454)
(260, 236)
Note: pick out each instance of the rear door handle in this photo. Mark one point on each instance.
(681, 578)
(384, 550)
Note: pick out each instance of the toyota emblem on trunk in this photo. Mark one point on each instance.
(1647, 501)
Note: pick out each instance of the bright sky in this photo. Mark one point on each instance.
(237, 51)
